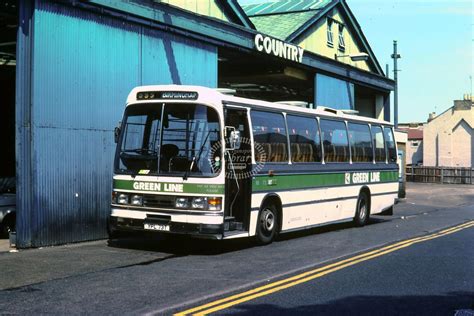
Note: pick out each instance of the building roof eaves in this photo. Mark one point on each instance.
(235, 8)
(355, 25)
(324, 63)
(225, 34)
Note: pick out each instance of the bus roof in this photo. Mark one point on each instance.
(212, 96)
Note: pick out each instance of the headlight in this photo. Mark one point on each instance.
(122, 199)
(199, 202)
(137, 200)
(214, 204)
(181, 202)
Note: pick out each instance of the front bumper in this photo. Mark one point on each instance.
(201, 226)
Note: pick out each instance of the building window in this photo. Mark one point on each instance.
(329, 33)
(342, 44)
(415, 144)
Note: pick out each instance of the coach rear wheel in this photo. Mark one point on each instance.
(362, 210)
(267, 225)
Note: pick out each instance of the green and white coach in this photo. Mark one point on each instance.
(193, 160)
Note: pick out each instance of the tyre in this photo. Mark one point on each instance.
(267, 224)
(362, 210)
(112, 232)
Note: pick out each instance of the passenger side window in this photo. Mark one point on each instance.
(270, 137)
(335, 143)
(379, 144)
(390, 143)
(305, 143)
(361, 142)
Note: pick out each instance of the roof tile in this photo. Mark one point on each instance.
(281, 25)
(284, 6)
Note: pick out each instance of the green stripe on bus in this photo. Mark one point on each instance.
(201, 188)
(303, 181)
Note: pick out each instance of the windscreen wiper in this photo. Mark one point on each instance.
(196, 160)
(141, 151)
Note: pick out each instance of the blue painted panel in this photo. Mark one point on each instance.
(333, 93)
(84, 67)
(82, 70)
(168, 58)
(72, 184)
(24, 201)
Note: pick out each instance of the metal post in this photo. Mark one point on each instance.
(395, 56)
(387, 71)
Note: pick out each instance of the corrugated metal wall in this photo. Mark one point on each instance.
(24, 180)
(83, 68)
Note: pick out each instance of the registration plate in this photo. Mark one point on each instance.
(160, 227)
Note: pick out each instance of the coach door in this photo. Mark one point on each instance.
(238, 166)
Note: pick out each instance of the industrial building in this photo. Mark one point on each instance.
(66, 68)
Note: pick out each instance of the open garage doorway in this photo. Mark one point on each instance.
(264, 77)
(8, 33)
(371, 102)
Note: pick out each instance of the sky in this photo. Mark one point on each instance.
(436, 42)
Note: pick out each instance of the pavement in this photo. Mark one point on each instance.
(32, 266)
(5, 245)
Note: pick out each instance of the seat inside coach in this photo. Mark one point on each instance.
(302, 152)
(271, 152)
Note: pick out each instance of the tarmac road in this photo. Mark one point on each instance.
(150, 277)
(432, 277)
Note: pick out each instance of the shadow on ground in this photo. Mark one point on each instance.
(373, 305)
(183, 245)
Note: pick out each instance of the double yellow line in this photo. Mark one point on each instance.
(313, 274)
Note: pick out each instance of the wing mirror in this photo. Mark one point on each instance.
(232, 138)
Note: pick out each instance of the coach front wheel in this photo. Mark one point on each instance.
(267, 225)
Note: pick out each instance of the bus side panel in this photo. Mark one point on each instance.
(308, 207)
(383, 195)
(253, 221)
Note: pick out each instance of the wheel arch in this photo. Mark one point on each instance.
(273, 198)
(365, 189)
